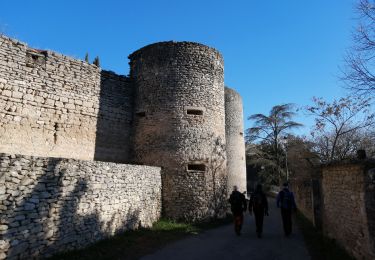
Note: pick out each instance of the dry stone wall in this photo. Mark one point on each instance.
(54, 105)
(49, 205)
(179, 124)
(349, 207)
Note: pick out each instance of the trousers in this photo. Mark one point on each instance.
(259, 216)
(238, 221)
(286, 215)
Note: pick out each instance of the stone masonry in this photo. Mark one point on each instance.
(234, 134)
(53, 105)
(180, 124)
(304, 199)
(171, 112)
(346, 204)
(50, 204)
(349, 206)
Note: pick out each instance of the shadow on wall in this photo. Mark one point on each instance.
(30, 206)
(115, 116)
(47, 210)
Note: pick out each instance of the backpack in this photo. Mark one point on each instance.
(257, 200)
(286, 199)
(236, 202)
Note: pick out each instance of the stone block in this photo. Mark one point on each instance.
(28, 97)
(70, 106)
(29, 206)
(49, 102)
(3, 227)
(16, 94)
(88, 104)
(6, 93)
(59, 104)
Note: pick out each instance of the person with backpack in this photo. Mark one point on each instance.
(259, 205)
(238, 205)
(286, 202)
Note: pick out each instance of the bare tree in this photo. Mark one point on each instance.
(302, 160)
(359, 73)
(340, 126)
(271, 128)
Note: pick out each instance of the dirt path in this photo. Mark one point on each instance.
(221, 243)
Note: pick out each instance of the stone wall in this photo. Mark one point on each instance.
(52, 105)
(56, 106)
(349, 206)
(235, 143)
(50, 204)
(179, 124)
(303, 195)
(369, 171)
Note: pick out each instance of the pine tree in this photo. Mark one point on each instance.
(87, 57)
(96, 61)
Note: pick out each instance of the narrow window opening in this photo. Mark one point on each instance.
(197, 167)
(241, 133)
(197, 112)
(141, 114)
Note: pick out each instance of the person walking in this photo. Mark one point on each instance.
(285, 201)
(238, 205)
(259, 205)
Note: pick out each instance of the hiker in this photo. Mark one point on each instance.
(285, 201)
(238, 205)
(259, 205)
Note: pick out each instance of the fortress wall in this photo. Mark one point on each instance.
(49, 205)
(53, 105)
(179, 124)
(235, 143)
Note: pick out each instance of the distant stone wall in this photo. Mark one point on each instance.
(349, 207)
(234, 136)
(56, 106)
(49, 205)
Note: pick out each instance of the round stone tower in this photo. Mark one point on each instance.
(236, 164)
(179, 124)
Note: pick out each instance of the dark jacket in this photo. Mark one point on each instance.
(285, 199)
(237, 202)
(258, 203)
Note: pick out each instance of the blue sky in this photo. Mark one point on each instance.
(274, 51)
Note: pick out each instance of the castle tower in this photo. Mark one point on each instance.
(179, 124)
(236, 164)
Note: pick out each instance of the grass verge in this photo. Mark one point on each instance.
(134, 244)
(320, 247)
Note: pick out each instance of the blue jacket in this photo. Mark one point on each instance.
(286, 202)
